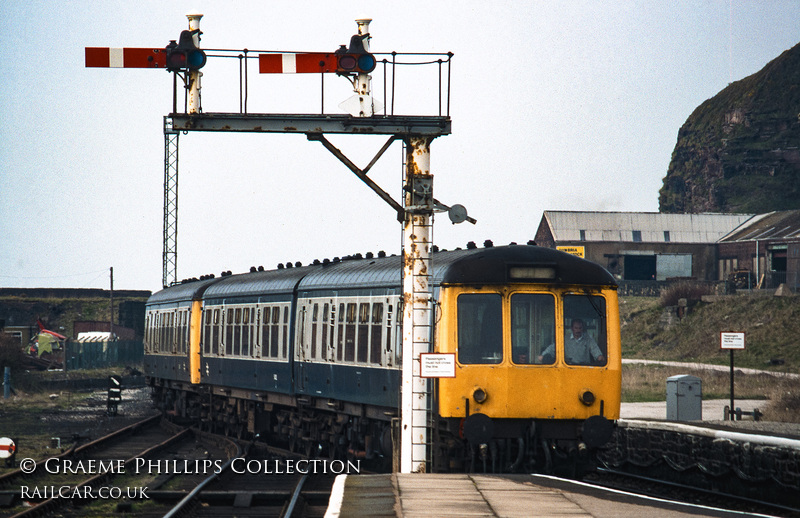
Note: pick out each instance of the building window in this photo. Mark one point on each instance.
(637, 236)
(583, 235)
(666, 236)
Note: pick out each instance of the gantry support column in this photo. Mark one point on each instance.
(417, 305)
(169, 263)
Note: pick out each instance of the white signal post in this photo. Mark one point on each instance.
(417, 305)
(193, 103)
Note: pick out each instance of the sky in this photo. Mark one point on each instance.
(555, 105)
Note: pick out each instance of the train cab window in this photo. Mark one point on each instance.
(480, 328)
(585, 330)
(533, 323)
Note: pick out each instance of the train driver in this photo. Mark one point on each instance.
(579, 347)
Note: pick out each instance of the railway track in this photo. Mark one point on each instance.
(656, 487)
(102, 476)
(259, 481)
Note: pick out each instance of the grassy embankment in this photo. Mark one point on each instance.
(772, 329)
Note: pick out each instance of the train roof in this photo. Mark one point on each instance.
(269, 282)
(180, 292)
(478, 266)
(523, 263)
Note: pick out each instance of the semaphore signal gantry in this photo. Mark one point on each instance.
(365, 115)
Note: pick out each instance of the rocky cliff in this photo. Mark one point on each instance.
(738, 151)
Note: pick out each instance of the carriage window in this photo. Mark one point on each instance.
(585, 330)
(533, 323)
(480, 328)
(215, 335)
(265, 320)
(246, 314)
(340, 334)
(184, 331)
(323, 346)
(237, 332)
(228, 326)
(314, 322)
(207, 332)
(375, 339)
(274, 343)
(350, 333)
(363, 332)
(285, 331)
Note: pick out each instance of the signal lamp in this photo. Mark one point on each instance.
(355, 59)
(185, 55)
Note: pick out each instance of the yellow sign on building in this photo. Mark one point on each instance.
(574, 250)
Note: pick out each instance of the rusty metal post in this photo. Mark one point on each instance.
(417, 305)
(194, 105)
(362, 104)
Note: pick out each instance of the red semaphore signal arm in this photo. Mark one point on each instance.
(297, 63)
(110, 57)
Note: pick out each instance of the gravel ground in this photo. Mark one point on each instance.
(35, 424)
(712, 415)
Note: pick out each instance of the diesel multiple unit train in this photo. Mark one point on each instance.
(308, 357)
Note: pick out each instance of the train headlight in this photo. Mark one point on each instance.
(479, 395)
(587, 397)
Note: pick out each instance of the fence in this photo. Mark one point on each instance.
(92, 355)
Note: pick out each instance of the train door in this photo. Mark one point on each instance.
(302, 344)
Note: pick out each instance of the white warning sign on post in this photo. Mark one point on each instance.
(731, 341)
(437, 365)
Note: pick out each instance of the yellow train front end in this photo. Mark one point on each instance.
(538, 374)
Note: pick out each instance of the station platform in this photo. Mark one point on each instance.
(441, 495)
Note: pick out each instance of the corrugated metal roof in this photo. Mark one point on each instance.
(645, 227)
(772, 225)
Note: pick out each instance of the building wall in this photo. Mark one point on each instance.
(778, 261)
(612, 256)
